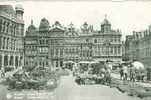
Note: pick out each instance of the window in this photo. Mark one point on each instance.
(56, 52)
(40, 42)
(95, 40)
(119, 50)
(87, 40)
(56, 63)
(115, 50)
(61, 52)
(46, 63)
(46, 41)
(52, 52)
(61, 63)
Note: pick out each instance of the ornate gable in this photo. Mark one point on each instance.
(57, 27)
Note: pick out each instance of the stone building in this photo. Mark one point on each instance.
(107, 44)
(138, 46)
(55, 44)
(11, 36)
(31, 46)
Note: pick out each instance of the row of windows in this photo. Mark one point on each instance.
(7, 27)
(71, 50)
(43, 41)
(85, 54)
(57, 63)
(57, 52)
(31, 52)
(11, 28)
(100, 40)
(111, 50)
(43, 50)
(31, 47)
(145, 52)
(7, 43)
(31, 62)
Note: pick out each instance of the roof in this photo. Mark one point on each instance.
(7, 9)
(105, 21)
(44, 25)
(57, 27)
(31, 29)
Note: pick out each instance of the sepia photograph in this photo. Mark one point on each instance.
(75, 50)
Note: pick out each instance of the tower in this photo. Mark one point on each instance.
(105, 26)
(19, 12)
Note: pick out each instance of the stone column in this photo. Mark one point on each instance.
(54, 64)
(8, 64)
(14, 46)
(59, 52)
(6, 43)
(5, 27)
(54, 52)
(1, 27)
(113, 50)
(2, 60)
(18, 61)
(1, 42)
(9, 44)
(14, 61)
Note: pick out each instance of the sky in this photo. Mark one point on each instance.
(126, 16)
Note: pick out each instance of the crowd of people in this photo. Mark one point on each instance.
(129, 72)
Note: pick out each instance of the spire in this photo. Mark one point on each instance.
(32, 22)
(71, 25)
(105, 16)
(105, 26)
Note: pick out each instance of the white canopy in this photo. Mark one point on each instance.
(69, 62)
(84, 62)
(138, 65)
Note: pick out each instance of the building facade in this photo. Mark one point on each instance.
(11, 36)
(138, 46)
(62, 44)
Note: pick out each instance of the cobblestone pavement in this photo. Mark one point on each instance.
(68, 90)
(117, 76)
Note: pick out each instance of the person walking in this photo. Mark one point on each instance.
(108, 73)
(125, 71)
(121, 72)
(132, 74)
(2, 72)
